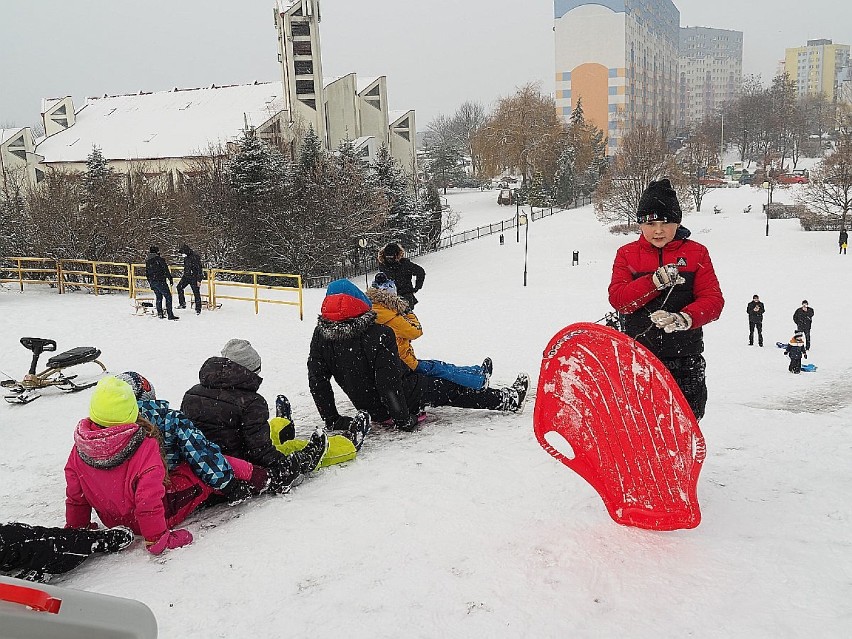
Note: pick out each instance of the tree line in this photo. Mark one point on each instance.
(249, 208)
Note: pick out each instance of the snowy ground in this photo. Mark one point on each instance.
(468, 528)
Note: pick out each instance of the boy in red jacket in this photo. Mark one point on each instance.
(665, 285)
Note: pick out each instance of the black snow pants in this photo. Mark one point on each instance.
(442, 392)
(688, 372)
(35, 552)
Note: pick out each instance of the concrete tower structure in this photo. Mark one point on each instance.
(620, 58)
(711, 72)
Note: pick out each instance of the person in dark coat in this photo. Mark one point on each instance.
(666, 286)
(193, 273)
(363, 359)
(755, 311)
(227, 408)
(394, 264)
(158, 273)
(803, 317)
(36, 553)
(843, 241)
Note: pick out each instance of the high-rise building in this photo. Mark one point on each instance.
(620, 58)
(817, 67)
(710, 71)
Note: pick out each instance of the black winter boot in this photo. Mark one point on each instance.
(112, 539)
(515, 396)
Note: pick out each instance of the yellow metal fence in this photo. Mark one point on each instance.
(107, 277)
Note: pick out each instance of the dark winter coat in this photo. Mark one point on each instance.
(755, 312)
(633, 293)
(156, 269)
(844, 238)
(362, 358)
(192, 269)
(401, 272)
(803, 318)
(227, 408)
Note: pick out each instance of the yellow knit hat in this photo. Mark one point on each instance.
(113, 403)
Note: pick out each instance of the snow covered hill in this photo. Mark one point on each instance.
(467, 528)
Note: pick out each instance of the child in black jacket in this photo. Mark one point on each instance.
(795, 350)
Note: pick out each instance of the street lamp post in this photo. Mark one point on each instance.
(766, 185)
(523, 219)
(722, 144)
(362, 243)
(517, 217)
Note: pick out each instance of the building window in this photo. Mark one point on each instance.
(304, 67)
(300, 28)
(302, 47)
(310, 103)
(304, 86)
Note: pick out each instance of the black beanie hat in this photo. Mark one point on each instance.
(154, 249)
(659, 203)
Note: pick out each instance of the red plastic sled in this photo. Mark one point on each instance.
(631, 433)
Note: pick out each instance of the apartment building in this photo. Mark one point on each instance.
(621, 58)
(819, 67)
(710, 70)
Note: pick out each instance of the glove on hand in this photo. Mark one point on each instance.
(169, 540)
(259, 478)
(666, 277)
(671, 322)
(341, 423)
(407, 425)
(237, 491)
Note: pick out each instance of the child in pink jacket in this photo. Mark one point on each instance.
(117, 468)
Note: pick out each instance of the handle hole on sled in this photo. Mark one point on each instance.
(560, 444)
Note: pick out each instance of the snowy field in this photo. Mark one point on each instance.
(468, 528)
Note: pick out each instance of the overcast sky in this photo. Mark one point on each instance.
(435, 53)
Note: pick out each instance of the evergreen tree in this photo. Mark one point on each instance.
(257, 170)
(405, 222)
(444, 164)
(539, 192)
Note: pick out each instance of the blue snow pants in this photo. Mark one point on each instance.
(467, 376)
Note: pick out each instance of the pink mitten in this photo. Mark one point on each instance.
(170, 539)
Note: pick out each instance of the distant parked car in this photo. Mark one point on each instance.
(792, 179)
(746, 178)
(712, 182)
(505, 197)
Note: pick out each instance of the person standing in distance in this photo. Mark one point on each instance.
(193, 273)
(755, 320)
(843, 241)
(665, 285)
(803, 317)
(158, 273)
(394, 264)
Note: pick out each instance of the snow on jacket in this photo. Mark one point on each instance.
(363, 359)
(119, 472)
(156, 269)
(633, 293)
(803, 318)
(401, 272)
(227, 408)
(183, 442)
(392, 311)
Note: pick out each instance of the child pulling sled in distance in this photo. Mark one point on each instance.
(795, 350)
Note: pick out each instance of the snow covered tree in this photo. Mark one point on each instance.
(256, 170)
(540, 194)
(829, 190)
(444, 164)
(405, 220)
(582, 160)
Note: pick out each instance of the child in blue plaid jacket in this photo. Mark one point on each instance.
(235, 478)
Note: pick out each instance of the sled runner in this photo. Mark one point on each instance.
(26, 390)
(607, 408)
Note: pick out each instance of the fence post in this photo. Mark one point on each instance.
(60, 277)
(20, 275)
(95, 277)
(130, 284)
(256, 304)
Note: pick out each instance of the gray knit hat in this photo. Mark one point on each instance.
(241, 352)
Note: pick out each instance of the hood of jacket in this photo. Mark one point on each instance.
(106, 447)
(388, 300)
(221, 372)
(340, 330)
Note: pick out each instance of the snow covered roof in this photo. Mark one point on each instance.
(326, 81)
(7, 134)
(365, 82)
(397, 114)
(167, 124)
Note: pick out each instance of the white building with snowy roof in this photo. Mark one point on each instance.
(161, 132)
(18, 159)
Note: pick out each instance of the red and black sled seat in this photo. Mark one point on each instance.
(79, 355)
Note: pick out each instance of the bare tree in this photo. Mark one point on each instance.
(698, 153)
(524, 133)
(642, 157)
(829, 190)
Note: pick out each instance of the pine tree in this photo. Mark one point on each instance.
(444, 164)
(257, 170)
(539, 192)
(405, 222)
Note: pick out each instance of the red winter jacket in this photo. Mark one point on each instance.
(632, 292)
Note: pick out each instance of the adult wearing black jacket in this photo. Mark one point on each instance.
(227, 408)
(755, 312)
(193, 273)
(363, 359)
(158, 273)
(394, 264)
(803, 317)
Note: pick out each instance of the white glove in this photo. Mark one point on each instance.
(666, 277)
(671, 322)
